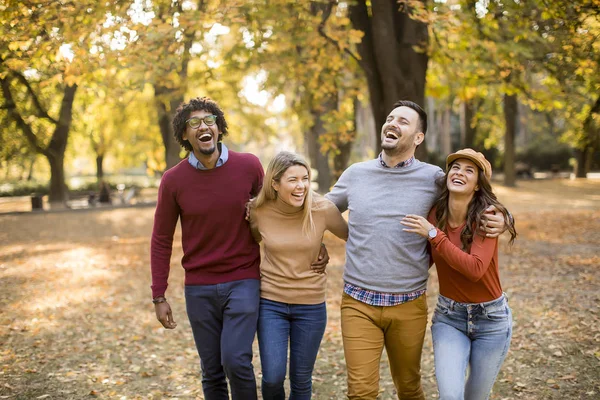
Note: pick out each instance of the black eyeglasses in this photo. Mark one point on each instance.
(195, 122)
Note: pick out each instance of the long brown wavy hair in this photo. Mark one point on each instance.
(482, 199)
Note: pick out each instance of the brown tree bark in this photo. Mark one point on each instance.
(591, 142)
(445, 131)
(99, 167)
(318, 160)
(167, 99)
(469, 108)
(393, 68)
(166, 102)
(583, 161)
(511, 117)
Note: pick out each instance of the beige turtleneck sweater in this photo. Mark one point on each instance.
(285, 270)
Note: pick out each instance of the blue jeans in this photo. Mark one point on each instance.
(469, 335)
(303, 326)
(223, 319)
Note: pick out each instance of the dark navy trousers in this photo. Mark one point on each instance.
(223, 319)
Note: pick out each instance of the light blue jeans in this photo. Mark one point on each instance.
(476, 336)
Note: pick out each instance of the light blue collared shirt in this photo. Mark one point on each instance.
(222, 158)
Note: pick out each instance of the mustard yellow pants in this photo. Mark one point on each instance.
(367, 329)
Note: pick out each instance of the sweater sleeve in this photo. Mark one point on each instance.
(258, 178)
(335, 222)
(472, 265)
(254, 225)
(165, 220)
(339, 193)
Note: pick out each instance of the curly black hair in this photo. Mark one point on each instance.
(183, 113)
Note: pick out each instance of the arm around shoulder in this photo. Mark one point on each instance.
(253, 219)
(336, 223)
(339, 193)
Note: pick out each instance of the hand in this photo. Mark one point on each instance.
(165, 315)
(492, 223)
(321, 262)
(248, 205)
(417, 224)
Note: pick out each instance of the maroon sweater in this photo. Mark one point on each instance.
(217, 244)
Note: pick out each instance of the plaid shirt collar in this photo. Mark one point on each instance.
(404, 163)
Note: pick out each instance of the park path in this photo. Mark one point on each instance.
(76, 321)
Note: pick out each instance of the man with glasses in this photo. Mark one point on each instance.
(208, 191)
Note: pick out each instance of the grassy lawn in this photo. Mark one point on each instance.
(76, 319)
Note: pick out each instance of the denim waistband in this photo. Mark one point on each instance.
(487, 306)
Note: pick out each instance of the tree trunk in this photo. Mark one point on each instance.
(511, 119)
(468, 130)
(583, 162)
(318, 160)
(58, 188)
(99, 167)
(163, 101)
(30, 171)
(591, 141)
(393, 66)
(55, 151)
(166, 100)
(445, 131)
(341, 159)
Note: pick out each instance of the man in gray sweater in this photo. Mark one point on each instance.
(386, 271)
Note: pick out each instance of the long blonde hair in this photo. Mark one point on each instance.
(277, 167)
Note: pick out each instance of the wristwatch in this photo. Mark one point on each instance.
(159, 299)
(432, 233)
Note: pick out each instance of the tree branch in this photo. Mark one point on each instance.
(36, 102)
(321, 30)
(14, 114)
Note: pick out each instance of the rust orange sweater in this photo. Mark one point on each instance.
(471, 277)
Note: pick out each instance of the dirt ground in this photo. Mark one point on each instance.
(76, 319)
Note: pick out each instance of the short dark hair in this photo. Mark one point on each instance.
(183, 113)
(418, 109)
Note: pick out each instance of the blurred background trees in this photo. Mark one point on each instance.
(89, 88)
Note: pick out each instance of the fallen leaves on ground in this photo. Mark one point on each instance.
(76, 320)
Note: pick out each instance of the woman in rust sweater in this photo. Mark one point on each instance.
(472, 323)
(290, 221)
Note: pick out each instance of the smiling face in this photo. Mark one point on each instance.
(400, 132)
(203, 138)
(293, 186)
(463, 177)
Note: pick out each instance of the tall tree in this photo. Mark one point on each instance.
(304, 49)
(393, 54)
(173, 37)
(511, 112)
(43, 56)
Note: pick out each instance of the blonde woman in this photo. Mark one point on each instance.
(290, 221)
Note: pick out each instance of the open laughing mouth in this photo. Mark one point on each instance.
(391, 135)
(457, 181)
(207, 137)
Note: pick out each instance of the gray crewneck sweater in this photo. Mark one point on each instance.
(380, 256)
